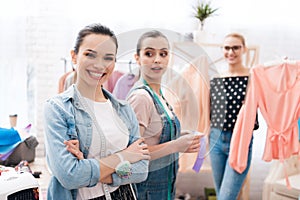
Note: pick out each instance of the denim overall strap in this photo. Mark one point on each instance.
(159, 105)
(173, 123)
(171, 131)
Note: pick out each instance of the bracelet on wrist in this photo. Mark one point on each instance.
(124, 168)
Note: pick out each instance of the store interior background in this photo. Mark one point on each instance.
(36, 34)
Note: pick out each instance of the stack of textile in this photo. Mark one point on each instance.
(16, 145)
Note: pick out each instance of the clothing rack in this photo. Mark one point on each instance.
(130, 64)
(126, 61)
(284, 59)
(66, 61)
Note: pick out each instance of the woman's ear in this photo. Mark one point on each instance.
(137, 59)
(74, 57)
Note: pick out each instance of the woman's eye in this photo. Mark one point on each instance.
(164, 54)
(148, 53)
(108, 58)
(91, 55)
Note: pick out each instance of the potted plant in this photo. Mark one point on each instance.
(202, 11)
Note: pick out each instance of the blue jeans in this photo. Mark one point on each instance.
(227, 181)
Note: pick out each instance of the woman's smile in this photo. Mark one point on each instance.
(96, 75)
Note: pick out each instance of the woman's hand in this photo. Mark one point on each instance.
(184, 132)
(73, 147)
(188, 142)
(136, 151)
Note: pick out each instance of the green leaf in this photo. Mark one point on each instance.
(203, 10)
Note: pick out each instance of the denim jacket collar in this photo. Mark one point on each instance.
(72, 95)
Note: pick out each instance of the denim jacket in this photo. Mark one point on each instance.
(65, 119)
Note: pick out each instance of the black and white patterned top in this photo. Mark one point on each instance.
(226, 98)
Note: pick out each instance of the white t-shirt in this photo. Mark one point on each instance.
(117, 138)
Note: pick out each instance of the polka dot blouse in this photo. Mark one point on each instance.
(226, 96)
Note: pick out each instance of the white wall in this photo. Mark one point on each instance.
(271, 24)
(13, 68)
(30, 27)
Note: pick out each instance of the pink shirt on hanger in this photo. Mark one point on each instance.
(275, 90)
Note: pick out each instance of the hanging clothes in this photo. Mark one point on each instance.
(188, 92)
(111, 82)
(66, 80)
(124, 84)
(275, 91)
(70, 79)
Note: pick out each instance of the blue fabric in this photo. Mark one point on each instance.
(163, 169)
(9, 136)
(227, 181)
(66, 119)
(6, 155)
(7, 148)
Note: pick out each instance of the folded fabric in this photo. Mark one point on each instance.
(6, 155)
(7, 148)
(31, 142)
(9, 136)
(201, 155)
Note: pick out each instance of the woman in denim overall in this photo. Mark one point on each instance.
(158, 123)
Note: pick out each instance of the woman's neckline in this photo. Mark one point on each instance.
(98, 102)
(240, 76)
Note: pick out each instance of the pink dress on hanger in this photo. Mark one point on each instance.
(275, 90)
(111, 82)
